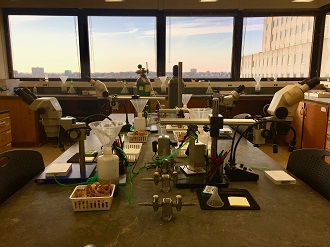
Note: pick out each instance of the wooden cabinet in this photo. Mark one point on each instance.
(315, 125)
(5, 131)
(297, 124)
(311, 124)
(26, 128)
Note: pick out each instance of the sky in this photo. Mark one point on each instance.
(121, 43)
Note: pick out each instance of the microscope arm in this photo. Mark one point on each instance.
(231, 100)
(286, 100)
(100, 88)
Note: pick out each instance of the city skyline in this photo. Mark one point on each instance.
(51, 42)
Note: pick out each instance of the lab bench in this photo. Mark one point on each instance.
(289, 215)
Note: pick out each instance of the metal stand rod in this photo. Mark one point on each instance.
(82, 157)
(215, 112)
(214, 140)
(180, 85)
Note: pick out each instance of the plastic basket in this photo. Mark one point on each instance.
(182, 152)
(91, 203)
(176, 134)
(132, 151)
(137, 138)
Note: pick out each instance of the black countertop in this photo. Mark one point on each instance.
(289, 215)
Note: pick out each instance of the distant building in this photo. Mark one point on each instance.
(286, 49)
(68, 73)
(38, 72)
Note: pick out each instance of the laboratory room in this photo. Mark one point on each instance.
(165, 123)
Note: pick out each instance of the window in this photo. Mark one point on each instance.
(289, 59)
(303, 58)
(44, 46)
(204, 43)
(310, 25)
(118, 44)
(325, 62)
(275, 54)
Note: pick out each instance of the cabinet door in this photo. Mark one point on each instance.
(297, 124)
(315, 125)
(25, 125)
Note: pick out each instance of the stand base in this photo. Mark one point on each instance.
(189, 171)
(73, 177)
(240, 173)
(197, 181)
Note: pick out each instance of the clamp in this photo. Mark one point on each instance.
(165, 179)
(167, 204)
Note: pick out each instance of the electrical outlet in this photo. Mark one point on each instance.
(275, 85)
(45, 84)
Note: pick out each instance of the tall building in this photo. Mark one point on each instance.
(38, 72)
(286, 49)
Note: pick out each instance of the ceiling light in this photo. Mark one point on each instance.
(114, 1)
(208, 1)
(302, 1)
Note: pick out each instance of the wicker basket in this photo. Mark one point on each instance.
(91, 203)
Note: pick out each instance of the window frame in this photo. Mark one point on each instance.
(238, 15)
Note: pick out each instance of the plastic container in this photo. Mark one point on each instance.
(199, 113)
(108, 167)
(132, 137)
(132, 151)
(35, 90)
(91, 203)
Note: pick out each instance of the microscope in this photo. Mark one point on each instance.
(281, 109)
(54, 124)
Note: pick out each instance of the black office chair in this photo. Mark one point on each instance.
(308, 165)
(17, 167)
(241, 128)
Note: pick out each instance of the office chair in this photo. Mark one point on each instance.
(17, 167)
(309, 166)
(241, 128)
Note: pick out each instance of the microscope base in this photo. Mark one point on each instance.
(73, 177)
(197, 181)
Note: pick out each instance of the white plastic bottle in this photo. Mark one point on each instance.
(35, 90)
(108, 167)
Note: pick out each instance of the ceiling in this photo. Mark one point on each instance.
(167, 4)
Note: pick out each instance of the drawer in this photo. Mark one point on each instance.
(5, 124)
(5, 148)
(5, 138)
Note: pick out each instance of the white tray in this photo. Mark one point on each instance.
(91, 203)
(132, 151)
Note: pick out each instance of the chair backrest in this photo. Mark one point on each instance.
(309, 166)
(17, 167)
